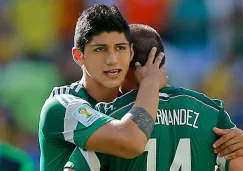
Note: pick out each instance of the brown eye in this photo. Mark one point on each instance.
(121, 47)
(99, 49)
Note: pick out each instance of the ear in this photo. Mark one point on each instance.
(132, 52)
(77, 56)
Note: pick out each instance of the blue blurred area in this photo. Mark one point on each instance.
(203, 44)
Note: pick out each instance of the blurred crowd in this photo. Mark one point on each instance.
(203, 44)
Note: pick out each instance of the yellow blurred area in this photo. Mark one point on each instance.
(35, 23)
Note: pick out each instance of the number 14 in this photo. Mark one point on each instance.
(181, 160)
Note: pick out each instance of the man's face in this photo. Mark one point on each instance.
(106, 59)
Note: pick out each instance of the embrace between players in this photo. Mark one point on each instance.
(123, 116)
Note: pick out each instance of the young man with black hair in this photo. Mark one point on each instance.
(183, 135)
(103, 49)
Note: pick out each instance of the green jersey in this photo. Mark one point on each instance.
(67, 120)
(182, 138)
(14, 159)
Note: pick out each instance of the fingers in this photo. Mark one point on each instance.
(230, 149)
(138, 65)
(159, 59)
(162, 68)
(230, 144)
(227, 144)
(238, 153)
(151, 55)
(224, 138)
(221, 132)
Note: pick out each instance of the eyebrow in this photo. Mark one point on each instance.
(97, 44)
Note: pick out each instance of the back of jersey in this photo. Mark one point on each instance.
(182, 138)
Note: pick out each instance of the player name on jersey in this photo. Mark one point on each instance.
(177, 117)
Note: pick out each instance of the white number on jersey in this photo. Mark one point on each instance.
(183, 156)
(181, 160)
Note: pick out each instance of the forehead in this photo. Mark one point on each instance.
(108, 38)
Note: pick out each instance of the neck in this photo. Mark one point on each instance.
(98, 91)
(129, 83)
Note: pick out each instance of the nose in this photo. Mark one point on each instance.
(112, 59)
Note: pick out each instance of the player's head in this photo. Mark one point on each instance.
(102, 45)
(144, 39)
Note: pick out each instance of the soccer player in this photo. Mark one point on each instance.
(183, 137)
(103, 49)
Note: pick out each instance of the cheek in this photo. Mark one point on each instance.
(125, 59)
(93, 67)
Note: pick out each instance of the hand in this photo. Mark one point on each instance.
(230, 144)
(151, 72)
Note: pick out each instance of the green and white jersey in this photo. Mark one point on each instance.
(67, 119)
(81, 160)
(182, 139)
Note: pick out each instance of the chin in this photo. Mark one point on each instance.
(112, 84)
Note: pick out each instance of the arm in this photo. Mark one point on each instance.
(236, 164)
(125, 138)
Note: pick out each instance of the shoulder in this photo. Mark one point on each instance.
(194, 97)
(73, 89)
(59, 103)
(124, 100)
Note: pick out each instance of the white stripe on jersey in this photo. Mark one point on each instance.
(67, 90)
(61, 90)
(182, 95)
(61, 101)
(70, 123)
(73, 85)
(65, 97)
(92, 159)
(78, 88)
(52, 93)
(55, 91)
(221, 162)
(185, 95)
(163, 95)
(122, 108)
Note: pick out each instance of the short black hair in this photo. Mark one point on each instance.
(97, 19)
(144, 39)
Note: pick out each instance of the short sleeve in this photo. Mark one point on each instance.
(77, 161)
(224, 121)
(66, 118)
(81, 160)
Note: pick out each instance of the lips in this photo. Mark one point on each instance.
(113, 73)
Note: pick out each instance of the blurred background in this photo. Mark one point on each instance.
(203, 44)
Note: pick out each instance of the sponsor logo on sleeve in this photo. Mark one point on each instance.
(86, 115)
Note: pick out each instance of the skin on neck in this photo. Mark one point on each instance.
(129, 83)
(98, 91)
